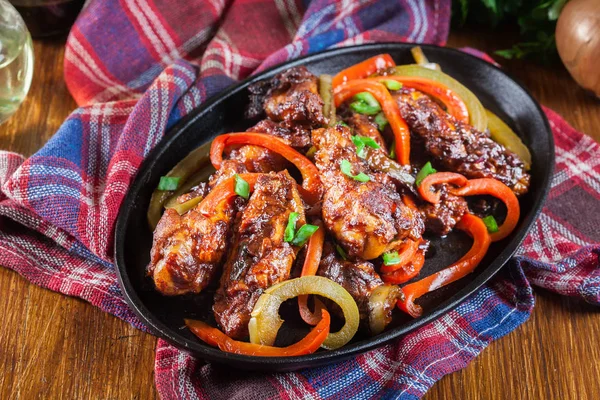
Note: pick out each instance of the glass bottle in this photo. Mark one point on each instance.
(16, 60)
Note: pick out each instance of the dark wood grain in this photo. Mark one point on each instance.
(53, 346)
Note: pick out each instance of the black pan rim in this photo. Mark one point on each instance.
(326, 357)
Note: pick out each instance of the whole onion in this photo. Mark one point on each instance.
(578, 42)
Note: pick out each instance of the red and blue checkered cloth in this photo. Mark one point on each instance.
(137, 66)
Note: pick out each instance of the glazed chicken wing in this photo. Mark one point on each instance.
(188, 249)
(366, 218)
(291, 98)
(259, 257)
(358, 278)
(459, 147)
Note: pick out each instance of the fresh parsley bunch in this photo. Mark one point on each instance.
(536, 19)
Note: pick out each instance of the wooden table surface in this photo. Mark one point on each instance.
(53, 346)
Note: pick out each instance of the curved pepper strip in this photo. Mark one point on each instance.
(409, 249)
(223, 192)
(390, 110)
(311, 265)
(455, 106)
(309, 344)
(363, 69)
(497, 189)
(475, 187)
(475, 227)
(426, 188)
(406, 272)
(310, 173)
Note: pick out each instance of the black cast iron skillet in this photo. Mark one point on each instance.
(224, 113)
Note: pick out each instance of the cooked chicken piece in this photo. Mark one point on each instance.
(188, 249)
(459, 147)
(228, 169)
(441, 218)
(297, 136)
(359, 279)
(378, 160)
(290, 97)
(258, 257)
(364, 217)
(364, 126)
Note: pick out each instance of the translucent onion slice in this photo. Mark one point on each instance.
(265, 321)
(381, 303)
(501, 133)
(477, 115)
(196, 162)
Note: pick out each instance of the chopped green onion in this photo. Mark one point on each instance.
(341, 251)
(365, 140)
(491, 224)
(241, 187)
(311, 152)
(393, 150)
(346, 169)
(360, 150)
(424, 173)
(391, 258)
(364, 108)
(168, 183)
(365, 103)
(381, 121)
(303, 234)
(392, 85)
(290, 229)
(367, 98)
(342, 123)
(361, 142)
(362, 177)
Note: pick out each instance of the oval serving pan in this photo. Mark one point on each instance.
(224, 113)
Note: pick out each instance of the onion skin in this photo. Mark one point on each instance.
(578, 42)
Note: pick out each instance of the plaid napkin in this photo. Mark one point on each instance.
(136, 67)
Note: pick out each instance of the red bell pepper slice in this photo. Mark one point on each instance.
(475, 187)
(223, 192)
(409, 249)
(426, 188)
(310, 267)
(390, 110)
(407, 271)
(455, 106)
(309, 344)
(499, 190)
(473, 226)
(310, 174)
(363, 69)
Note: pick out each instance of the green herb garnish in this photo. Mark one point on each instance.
(241, 187)
(391, 258)
(346, 169)
(381, 121)
(491, 224)
(365, 103)
(341, 251)
(393, 150)
(290, 229)
(392, 85)
(361, 141)
(536, 21)
(303, 234)
(168, 183)
(424, 173)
